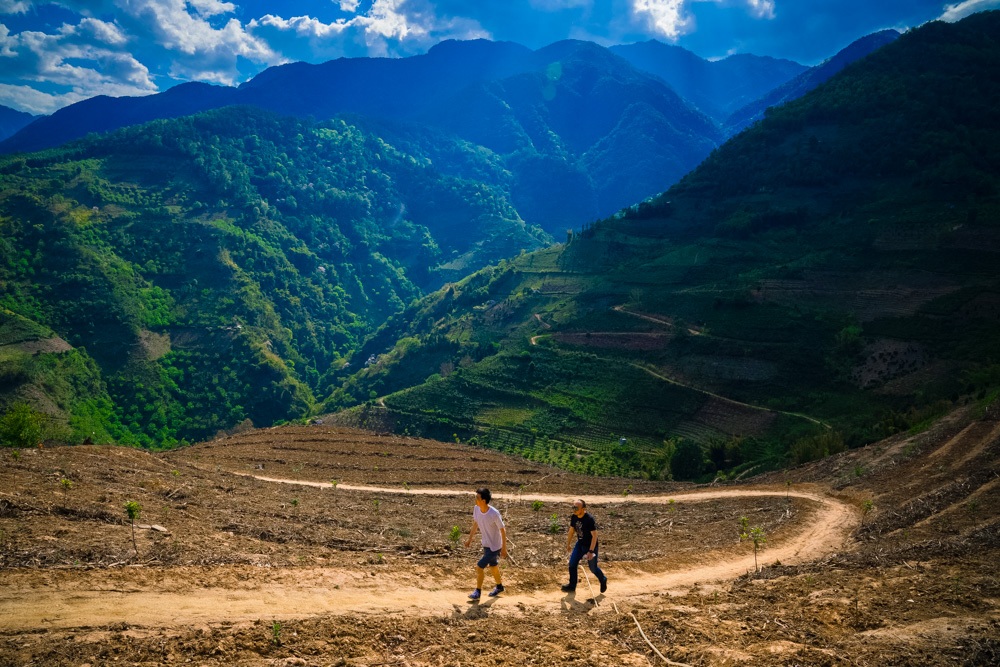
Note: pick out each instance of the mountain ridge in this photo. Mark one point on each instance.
(824, 279)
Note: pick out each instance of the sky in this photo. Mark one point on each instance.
(53, 54)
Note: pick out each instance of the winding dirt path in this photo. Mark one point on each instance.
(170, 597)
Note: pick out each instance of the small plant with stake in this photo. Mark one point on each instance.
(756, 535)
(133, 509)
(454, 536)
(67, 484)
(537, 505)
(555, 525)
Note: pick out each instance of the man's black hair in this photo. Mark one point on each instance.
(485, 494)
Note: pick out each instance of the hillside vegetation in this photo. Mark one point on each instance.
(192, 274)
(825, 279)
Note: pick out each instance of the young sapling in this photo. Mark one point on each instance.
(756, 535)
(133, 510)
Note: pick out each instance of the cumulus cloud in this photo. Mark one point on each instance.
(76, 62)
(961, 10)
(349, 6)
(671, 18)
(663, 17)
(388, 28)
(176, 39)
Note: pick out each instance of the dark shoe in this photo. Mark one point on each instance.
(497, 590)
(474, 595)
(604, 585)
(566, 588)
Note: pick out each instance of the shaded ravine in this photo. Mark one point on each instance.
(163, 598)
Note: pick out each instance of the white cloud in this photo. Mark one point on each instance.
(96, 31)
(14, 6)
(762, 9)
(26, 98)
(663, 17)
(349, 5)
(211, 7)
(75, 59)
(388, 28)
(961, 10)
(385, 20)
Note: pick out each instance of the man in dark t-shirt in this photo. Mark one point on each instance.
(583, 527)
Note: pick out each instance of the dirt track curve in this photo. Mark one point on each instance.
(167, 598)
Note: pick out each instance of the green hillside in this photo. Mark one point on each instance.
(828, 277)
(205, 271)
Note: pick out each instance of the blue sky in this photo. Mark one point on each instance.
(56, 53)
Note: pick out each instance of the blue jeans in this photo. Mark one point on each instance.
(579, 551)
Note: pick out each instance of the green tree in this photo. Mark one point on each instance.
(688, 461)
(21, 426)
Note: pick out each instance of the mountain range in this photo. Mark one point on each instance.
(567, 122)
(824, 279)
(821, 279)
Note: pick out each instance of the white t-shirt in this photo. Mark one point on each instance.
(490, 522)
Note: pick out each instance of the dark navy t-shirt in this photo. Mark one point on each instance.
(584, 527)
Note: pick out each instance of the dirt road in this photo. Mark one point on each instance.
(166, 597)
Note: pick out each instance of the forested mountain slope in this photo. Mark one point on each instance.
(825, 278)
(565, 122)
(173, 279)
(798, 86)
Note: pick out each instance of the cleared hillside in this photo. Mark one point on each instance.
(888, 556)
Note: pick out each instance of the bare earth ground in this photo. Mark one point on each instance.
(326, 546)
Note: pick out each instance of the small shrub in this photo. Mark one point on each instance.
(276, 633)
(759, 539)
(537, 505)
(454, 536)
(67, 484)
(555, 525)
(133, 509)
(866, 509)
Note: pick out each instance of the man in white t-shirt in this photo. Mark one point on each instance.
(488, 522)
